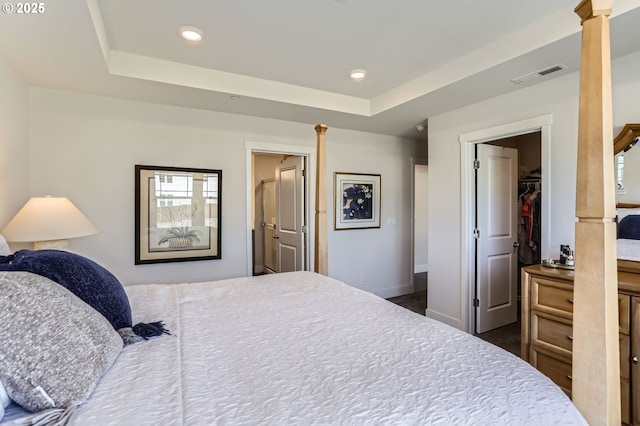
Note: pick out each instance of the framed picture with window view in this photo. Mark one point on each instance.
(177, 214)
(357, 201)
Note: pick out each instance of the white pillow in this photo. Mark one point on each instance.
(4, 247)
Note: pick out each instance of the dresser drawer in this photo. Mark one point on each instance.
(552, 333)
(552, 297)
(625, 354)
(625, 396)
(554, 367)
(623, 313)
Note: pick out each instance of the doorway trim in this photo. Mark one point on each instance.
(468, 201)
(309, 153)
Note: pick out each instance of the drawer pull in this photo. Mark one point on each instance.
(570, 338)
(569, 377)
(634, 359)
(570, 301)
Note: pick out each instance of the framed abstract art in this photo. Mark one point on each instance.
(357, 201)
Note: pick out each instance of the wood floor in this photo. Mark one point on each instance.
(416, 302)
(507, 337)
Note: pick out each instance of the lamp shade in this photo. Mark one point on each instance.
(48, 218)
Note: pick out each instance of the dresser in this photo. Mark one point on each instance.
(547, 337)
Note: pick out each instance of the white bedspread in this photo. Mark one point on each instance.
(303, 349)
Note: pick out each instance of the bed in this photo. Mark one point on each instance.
(302, 348)
(628, 249)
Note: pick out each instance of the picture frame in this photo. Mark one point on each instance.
(178, 214)
(357, 201)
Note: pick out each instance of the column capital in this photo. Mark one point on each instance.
(321, 129)
(588, 9)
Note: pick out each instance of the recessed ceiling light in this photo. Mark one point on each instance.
(358, 74)
(191, 33)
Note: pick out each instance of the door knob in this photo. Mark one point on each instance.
(516, 244)
(634, 359)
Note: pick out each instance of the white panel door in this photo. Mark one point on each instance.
(497, 224)
(290, 215)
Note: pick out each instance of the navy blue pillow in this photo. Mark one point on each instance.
(629, 227)
(92, 283)
(83, 277)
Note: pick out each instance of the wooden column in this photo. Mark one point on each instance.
(596, 366)
(321, 265)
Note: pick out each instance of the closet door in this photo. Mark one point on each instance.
(497, 237)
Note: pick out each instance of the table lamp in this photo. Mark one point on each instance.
(48, 222)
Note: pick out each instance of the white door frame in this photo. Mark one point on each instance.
(467, 156)
(309, 152)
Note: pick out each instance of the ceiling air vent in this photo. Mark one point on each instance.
(551, 69)
(527, 78)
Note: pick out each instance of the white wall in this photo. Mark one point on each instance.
(85, 147)
(14, 146)
(378, 260)
(558, 97)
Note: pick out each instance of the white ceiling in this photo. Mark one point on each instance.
(290, 59)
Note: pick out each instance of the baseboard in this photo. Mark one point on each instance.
(454, 322)
(417, 269)
(386, 293)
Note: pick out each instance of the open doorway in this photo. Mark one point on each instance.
(279, 213)
(469, 271)
(508, 225)
(264, 214)
(420, 229)
(279, 196)
(416, 301)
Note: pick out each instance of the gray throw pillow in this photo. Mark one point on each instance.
(55, 348)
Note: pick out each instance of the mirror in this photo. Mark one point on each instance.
(627, 169)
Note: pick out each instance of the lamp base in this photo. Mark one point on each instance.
(52, 245)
